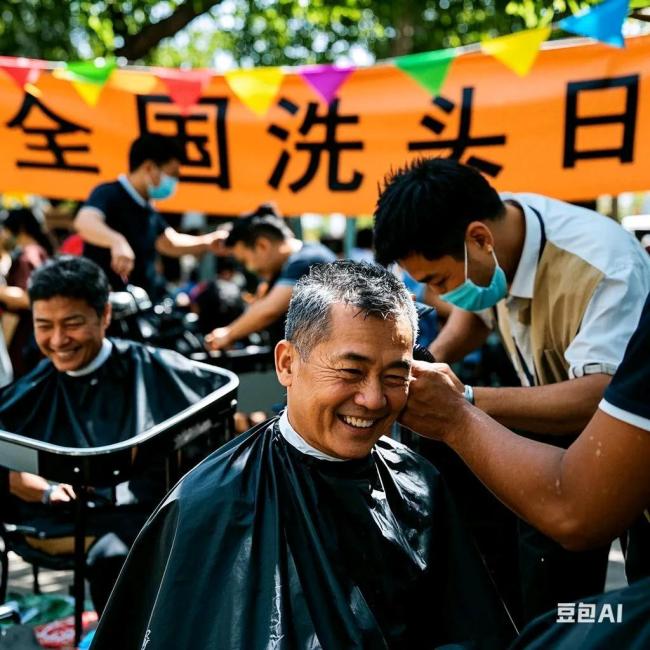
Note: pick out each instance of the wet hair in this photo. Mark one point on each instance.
(23, 220)
(425, 208)
(69, 276)
(155, 147)
(370, 288)
(249, 229)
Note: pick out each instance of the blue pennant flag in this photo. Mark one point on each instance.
(604, 22)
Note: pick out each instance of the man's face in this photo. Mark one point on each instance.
(68, 331)
(171, 168)
(446, 273)
(352, 386)
(261, 258)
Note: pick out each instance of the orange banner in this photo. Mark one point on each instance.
(575, 127)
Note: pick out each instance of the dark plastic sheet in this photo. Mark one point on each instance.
(262, 546)
(135, 389)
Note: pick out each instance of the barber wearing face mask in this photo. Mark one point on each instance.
(122, 232)
(564, 286)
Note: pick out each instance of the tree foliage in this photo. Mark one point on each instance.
(259, 32)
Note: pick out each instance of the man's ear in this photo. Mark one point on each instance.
(478, 234)
(108, 313)
(285, 362)
(262, 245)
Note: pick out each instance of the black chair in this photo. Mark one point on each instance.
(180, 440)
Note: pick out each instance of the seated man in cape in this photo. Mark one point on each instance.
(92, 391)
(314, 530)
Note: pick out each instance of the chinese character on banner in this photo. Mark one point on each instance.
(48, 132)
(201, 133)
(566, 613)
(329, 145)
(458, 146)
(586, 612)
(624, 149)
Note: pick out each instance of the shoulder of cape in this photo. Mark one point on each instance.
(229, 465)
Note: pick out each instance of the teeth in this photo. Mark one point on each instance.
(357, 422)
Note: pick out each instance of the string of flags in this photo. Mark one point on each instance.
(257, 88)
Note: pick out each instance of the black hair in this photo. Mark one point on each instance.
(155, 147)
(425, 208)
(248, 230)
(23, 220)
(70, 276)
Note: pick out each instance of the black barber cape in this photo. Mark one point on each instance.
(262, 546)
(134, 389)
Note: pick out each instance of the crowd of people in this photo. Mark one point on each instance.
(315, 528)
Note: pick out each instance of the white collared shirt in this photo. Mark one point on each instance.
(102, 356)
(297, 441)
(615, 307)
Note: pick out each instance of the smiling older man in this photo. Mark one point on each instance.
(314, 530)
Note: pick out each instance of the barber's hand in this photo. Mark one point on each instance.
(62, 493)
(436, 402)
(218, 339)
(122, 258)
(217, 242)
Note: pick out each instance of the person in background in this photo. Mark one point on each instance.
(31, 248)
(122, 230)
(266, 246)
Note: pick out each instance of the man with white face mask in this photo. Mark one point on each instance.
(564, 285)
(122, 231)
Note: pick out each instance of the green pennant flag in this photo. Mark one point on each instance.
(92, 71)
(429, 69)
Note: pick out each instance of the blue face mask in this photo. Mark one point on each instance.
(164, 189)
(471, 297)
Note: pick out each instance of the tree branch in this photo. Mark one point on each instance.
(138, 45)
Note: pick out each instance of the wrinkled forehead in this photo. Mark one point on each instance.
(353, 331)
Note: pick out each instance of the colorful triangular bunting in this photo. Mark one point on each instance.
(429, 69)
(185, 86)
(22, 71)
(325, 79)
(88, 91)
(604, 22)
(97, 71)
(256, 88)
(517, 51)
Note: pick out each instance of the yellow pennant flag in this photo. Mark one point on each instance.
(88, 91)
(256, 88)
(517, 51)
(133, 81)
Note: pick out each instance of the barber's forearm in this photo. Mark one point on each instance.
(93, 230)
(175, 244)
(15, 298)
(556, 409)
(255, 318)
(463, 333)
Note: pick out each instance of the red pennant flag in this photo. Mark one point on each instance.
(22, 71)
(185, 87)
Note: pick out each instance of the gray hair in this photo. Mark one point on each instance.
(371, 288)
